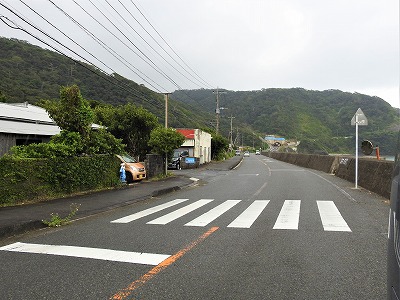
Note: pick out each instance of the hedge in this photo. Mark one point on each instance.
(32, 180)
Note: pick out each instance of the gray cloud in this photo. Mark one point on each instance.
(351, 45)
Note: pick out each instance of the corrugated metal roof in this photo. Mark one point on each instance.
(7, 126)
(188, 133)
(24, 111)
(23, 118)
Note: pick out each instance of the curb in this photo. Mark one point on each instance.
(13, 230)
(165, 191)
(21, 228)
(238, 164)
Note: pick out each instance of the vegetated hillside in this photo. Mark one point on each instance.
(319, 119)
(30, 73)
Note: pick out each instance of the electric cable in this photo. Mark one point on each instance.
(80, 45)
(209, 85)
(110, 50)
(129, 12)
(101, 72)
(148, 61)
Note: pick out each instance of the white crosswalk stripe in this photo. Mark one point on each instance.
(248, 217)
(287, 219)
(331, 218)
(289, 216)
(180, 212)
(149, 211)
(212, 214)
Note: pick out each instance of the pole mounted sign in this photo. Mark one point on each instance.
(359, 119)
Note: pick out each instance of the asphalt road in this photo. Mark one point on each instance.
(266, 230)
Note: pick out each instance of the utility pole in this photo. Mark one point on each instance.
(231, 132)
(166, 109)
(166, 126)
(237, 138)
(217, 109)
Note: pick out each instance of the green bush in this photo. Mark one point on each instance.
(33, 179)
(42, 150)
(219, 147)
(68, 144)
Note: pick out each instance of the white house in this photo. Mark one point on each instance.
(198, 143)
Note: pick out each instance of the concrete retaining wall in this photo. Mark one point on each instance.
(317, 162)
(373, 175)
(154, 164)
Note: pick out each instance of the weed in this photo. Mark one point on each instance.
(57, 221)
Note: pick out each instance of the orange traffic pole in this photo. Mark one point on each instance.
(378, 156)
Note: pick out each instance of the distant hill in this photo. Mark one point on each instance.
(319, 119)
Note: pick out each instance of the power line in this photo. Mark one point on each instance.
(148, 61)
(158, 53)
(98, 71)
(140, 24)
(206, 83)
(72, 39)
(109, 49)
(18, 27)
(141, 54)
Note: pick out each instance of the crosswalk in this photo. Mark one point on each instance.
(287, 219)
(246, 214)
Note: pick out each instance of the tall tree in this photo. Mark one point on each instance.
(73, 115)
(72, 112)
(130, 123)
(164, 141)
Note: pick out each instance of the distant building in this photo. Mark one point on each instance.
(23, 124)
(197, 143)
(272, 139)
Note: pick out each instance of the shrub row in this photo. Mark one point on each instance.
(30, 179)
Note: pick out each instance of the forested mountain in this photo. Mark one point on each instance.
(319, 119)
(30, 73)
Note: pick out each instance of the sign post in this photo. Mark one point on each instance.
(358, 119)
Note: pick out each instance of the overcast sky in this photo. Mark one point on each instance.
(350, 45)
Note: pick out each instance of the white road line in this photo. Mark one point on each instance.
(331, 218)
(340, 189)
(212, 214)
(287, 170)
(86, 252)
(180, 212)
(249, 174)
(289, 216)
(148, 211)
(248, 217)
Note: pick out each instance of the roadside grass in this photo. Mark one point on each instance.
(57, 221)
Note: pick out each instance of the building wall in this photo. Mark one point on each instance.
(202, 146)
(204, 139)
(8, 140)
(197, 143)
